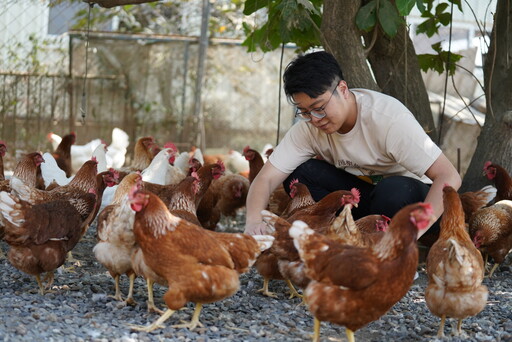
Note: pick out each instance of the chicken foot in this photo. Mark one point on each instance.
(293, 291)
(195, 319)
(40, 284)
(49, 282)
(72, 260)
(117, 295)
(49, 278)
(491, 272)
(155, 325)
(264, 290)
(459, 327)
(129, 300)
(151, 303)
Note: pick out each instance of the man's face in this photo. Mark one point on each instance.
(329, 112)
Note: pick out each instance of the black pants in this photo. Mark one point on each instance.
(386, 197)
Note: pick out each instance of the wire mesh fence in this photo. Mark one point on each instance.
(144, 84)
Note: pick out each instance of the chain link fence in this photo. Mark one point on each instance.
(143, 84)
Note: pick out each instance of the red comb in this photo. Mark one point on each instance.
(356, 194)
(171, 145)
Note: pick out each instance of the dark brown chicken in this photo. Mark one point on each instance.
(84, 180)
(62, 153)
(255, 162)
(472, 201)
(25, 170)
(300, 198)
(501, 179)
(279, 198)
(40, 236)
(224, 197)
(183, 201)
(491, 231)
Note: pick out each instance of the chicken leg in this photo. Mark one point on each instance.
(195, 319)
(129, 300)
(264, 290)
(494, 267)
(151, 303)
(117, 295)
(293, 291)
(40, 284)
(155, 325)
(350, 335)
(459, 327)
(440, 332)
(316, 330)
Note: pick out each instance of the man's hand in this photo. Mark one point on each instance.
(256, 229)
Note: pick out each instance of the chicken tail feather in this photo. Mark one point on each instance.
(264, 241)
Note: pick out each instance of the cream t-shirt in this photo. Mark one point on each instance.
(386, 140)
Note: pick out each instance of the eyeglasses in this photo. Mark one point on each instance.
(318, 113)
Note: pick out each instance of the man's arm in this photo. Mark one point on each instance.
(441, 172)
(262, 186)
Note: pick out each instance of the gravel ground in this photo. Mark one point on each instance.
(80, 310)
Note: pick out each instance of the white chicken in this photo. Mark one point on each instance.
(161, 170)
(52, 173)
(116, 154)
(236, 162)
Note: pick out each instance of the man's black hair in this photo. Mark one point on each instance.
(312, 74)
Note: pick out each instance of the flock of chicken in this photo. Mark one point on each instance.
(157, 218)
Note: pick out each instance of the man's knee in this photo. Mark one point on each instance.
(393, 193)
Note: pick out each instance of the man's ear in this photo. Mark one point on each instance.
(343, 88)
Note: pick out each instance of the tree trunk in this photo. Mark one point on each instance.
(342, 38)
(395, 66)
(495, 140)
(396, 73)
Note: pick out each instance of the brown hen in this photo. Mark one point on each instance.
(62, 153)
(353, 286)
(491, 231)
(41, 235)
(454, 268)
(199, 265)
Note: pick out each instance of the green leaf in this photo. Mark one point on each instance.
(428, 27)
(430, 62)
(405, 6)
(439, 62)
(444, 18)
(252, 6)
(366, 17)
(437, 47)
(441, 8)
(458, 3)
(388, 18)
(421, 5)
